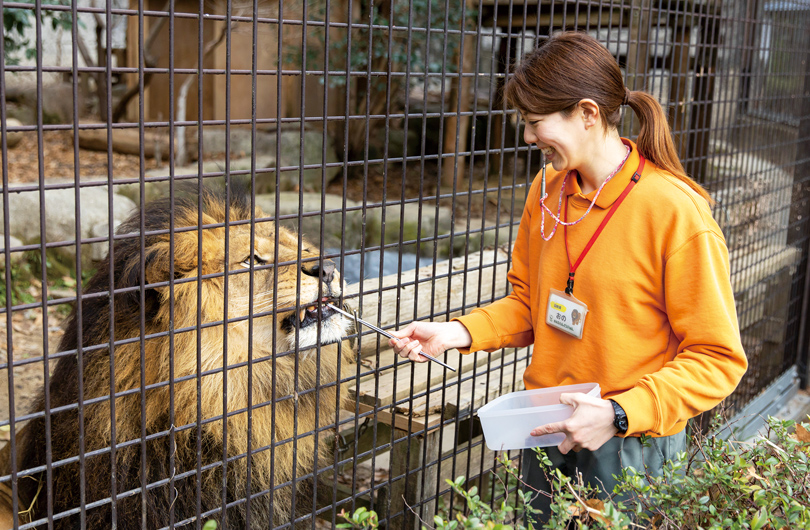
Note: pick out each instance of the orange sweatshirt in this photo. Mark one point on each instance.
(661, 337)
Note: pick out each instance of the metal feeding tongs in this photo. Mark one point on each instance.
(385, 333)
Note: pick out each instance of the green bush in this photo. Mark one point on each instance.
(17, 21)
(762, 483)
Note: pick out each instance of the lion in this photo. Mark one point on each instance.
(265, 385)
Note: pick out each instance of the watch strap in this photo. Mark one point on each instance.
(619, 417)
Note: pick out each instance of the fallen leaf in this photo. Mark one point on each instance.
(752, 475)
(599, 506)
(802, 434)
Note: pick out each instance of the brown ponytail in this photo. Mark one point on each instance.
(655, 138)
(572, 66)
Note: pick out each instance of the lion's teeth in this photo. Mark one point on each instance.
(303, 315)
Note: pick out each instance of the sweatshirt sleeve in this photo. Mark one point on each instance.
(508, 322)
(710, 361)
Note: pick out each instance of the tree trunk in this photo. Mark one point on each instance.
(458, 127)
(182, 157)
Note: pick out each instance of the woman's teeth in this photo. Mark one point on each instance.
(548, 151)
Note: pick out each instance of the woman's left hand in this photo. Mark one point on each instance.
(589, 427)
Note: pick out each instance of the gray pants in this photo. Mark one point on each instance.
(598, 467)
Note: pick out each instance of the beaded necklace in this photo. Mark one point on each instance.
(557, 220)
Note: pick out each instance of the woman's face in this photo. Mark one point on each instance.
(562, 139)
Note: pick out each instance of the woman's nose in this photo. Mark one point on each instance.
(529, 136)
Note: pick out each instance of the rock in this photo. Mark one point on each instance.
(334, 235)
(396, 144)
(159, 187)
(313, 180)
(15, 257)
(265, 165)
(751, 200)
(13, 137)
(241, 141)
(98, 251)
(60, 211)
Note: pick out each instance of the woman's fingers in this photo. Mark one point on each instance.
(407, 331)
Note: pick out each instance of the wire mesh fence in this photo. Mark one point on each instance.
(186, 185)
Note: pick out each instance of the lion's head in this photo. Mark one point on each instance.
(242, 269)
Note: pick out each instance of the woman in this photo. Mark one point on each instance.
(627, 240)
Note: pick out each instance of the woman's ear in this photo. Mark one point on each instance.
(590, 112)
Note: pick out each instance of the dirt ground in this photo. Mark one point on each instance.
(58, 160)
(27, 337)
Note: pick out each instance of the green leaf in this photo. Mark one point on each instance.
(210, 525)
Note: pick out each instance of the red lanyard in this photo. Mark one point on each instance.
(569, 289)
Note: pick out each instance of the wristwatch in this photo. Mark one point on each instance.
(619, 418)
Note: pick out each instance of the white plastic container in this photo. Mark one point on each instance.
(509, 420)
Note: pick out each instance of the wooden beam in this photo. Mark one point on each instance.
(387, 307)
(584, 18)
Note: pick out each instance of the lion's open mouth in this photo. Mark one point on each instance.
(310, 314)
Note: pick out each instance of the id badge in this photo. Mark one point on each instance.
(566, 313)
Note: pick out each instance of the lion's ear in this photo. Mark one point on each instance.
(159, 257)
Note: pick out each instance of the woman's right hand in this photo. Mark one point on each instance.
(434, 338)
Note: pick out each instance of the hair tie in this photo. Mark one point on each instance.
(626, 100)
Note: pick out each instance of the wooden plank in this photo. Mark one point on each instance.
(583, 19)
(472, 393)
(391, 385)
(428, 411)
(751, 267)
(420, 293)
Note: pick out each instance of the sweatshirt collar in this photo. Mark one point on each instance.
(612, 189)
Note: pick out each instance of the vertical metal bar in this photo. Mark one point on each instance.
(12, 423)
(424, 463)
(299, 255)
(107, 104)
(448, 299)
(227, 272)
(392, 21)
(199, 319)
(276, 245)
(142, 238)
(322, 247)
(400, 248)
(336, 455)
(494, 81)
(345, 174)
(468, 222)
(44, 272)
(172, 131)
(74, 31)
(802, 172)
(254, 67)
(422, 156)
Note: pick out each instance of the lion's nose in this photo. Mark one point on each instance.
(325, 273)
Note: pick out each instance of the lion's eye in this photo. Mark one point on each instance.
(256, 261)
